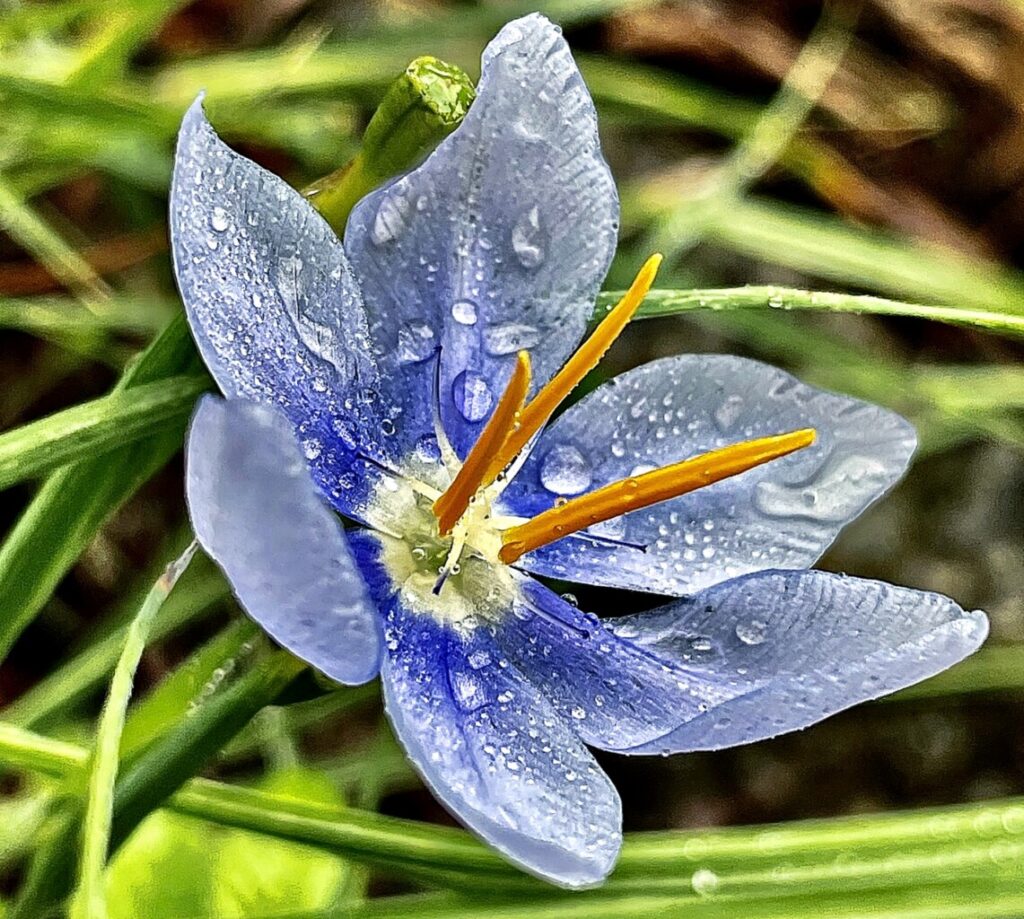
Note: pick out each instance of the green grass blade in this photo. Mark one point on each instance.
(95, 429)
(660, 303)
(186, 687)
(100, 795)
(73, 503)
(863, 852)
(200, 590)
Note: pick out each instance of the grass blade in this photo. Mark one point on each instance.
(100, 796)
(660, 303)
(73, 503)
(94, 429)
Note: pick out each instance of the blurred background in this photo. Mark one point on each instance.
(890, 161)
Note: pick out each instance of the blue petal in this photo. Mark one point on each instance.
(499, 241)
(256, 512)
(490, 746)
(274, 308)
(615, 693)
(781, 515)
(781, 650)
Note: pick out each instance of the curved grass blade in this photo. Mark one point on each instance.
(100, 795)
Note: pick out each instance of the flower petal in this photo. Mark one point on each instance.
(274, 308)
(489, 745)
(256, 512)
(781, 650)
(498, 242)
(616, 694)
(783, 514)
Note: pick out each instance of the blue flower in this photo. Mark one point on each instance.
(405, 378)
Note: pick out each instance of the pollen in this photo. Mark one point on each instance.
(641, 491)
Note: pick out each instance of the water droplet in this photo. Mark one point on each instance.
(704, 882)
(578, 712)
(728, 413)
(479, 659)
(468, 690)
(565, 471)
(509, 337)
(529, 239)
(427, 448)
(464, 312)
(472, 396)
(700, 643)
(387, 426)
(753, 632)
(219, 219)
(312, 448)
(841, 489)
(609, 529)
(415, 342)
(392, 214)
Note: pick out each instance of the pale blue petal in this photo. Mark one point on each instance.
(783, 514)
(781, 650)
(616, 694)
(499, 241)
(256, 512)
(275, 310)
(488, 743)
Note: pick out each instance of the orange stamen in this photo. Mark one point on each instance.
(644, 490)
(543, 405)
(453, 503)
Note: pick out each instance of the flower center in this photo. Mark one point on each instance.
(456, 540)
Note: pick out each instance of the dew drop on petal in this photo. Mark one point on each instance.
(565, 471)
(728, 413)
(219, 219)
(427, 448)
(528, 239)
(753, 632)
(464, 312)
(479, 659)
(509, 337)
(392, 214)
(415, 342)
(472, 395)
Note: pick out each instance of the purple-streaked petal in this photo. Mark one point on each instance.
(256, 512)
(783, 514)
(275, 310)
(781, 650)
(498, 242)
(490, 746)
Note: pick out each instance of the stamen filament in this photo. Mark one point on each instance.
(543, 405)
(641, 491)
(453, 503)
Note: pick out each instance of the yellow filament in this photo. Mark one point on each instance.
(453, 503)
(644, 490)
(543, 405)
